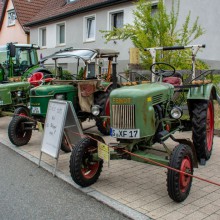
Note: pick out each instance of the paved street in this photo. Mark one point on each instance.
(135, 189)
(28, 192)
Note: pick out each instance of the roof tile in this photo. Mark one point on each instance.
(54, 8)
(27, 9)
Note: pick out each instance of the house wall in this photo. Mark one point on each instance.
(13, 33)
(208, 13)
(74, 33)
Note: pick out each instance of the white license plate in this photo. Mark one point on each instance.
(35, 110)
(125, 133)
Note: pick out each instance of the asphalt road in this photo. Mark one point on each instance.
(29, 192)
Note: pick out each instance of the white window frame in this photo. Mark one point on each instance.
(85, 28)
(110, 13)
(11, 22)
(58, 34)
(40, 42)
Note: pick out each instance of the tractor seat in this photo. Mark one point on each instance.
(175, 81)
(36, 79)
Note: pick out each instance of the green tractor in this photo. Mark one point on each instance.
(17, 63)
(145, 115)
(88, 90)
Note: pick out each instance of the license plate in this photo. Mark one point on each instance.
(125, 133)
(35, 110)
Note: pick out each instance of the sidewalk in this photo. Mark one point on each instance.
(138, 190)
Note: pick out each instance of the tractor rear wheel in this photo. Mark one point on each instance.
(85, 166)
(16, 132)
(203, 128)
(102, 99)
(179, 184)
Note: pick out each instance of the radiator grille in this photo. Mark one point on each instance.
(157, 99)
(123, 116)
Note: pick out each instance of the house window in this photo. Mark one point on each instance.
(90, 28)
(11, 17)
(42, 37)
(60, 34)
(117, 20)
(154, 8)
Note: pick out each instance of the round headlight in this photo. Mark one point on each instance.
(19, 93)
(60, 96)
(95, 110)
(176, 112)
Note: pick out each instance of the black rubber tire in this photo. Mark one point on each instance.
(22, 111)
(16, 134)
(101, 100)
(174, 187)
(199, 128)
(65, 146)
(80, 156)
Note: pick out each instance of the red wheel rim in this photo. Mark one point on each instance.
(209, 126)
(89, 166)
(185, 179)
(22, 114)
(90, 170)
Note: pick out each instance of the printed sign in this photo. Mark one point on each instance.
(103, 152)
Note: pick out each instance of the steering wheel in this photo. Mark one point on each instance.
(158, 69)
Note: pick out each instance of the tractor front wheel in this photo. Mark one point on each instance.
(85, 166)
(22, 111)
(203, 128)
(179, 184)
(65, 147)
(16, 132)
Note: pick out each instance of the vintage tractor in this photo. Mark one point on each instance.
(17, 62)
(89, 94)
(145, 116)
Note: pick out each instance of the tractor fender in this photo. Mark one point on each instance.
(203, 92)
(41, 69)
(198, 94)
(109, 85)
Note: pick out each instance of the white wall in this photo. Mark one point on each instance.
(209, 14)
(74, 33)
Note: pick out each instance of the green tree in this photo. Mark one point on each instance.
(157, 29)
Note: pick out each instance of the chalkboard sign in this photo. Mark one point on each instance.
(60, 119)
(53, 129)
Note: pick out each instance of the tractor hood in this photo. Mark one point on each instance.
(157, 92)
(132, 107)
(50, 90)
(14, 86)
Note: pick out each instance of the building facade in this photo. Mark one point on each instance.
(208, 14)
(83, 31)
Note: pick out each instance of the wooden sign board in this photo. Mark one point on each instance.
(134, 56)
(61, 119)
